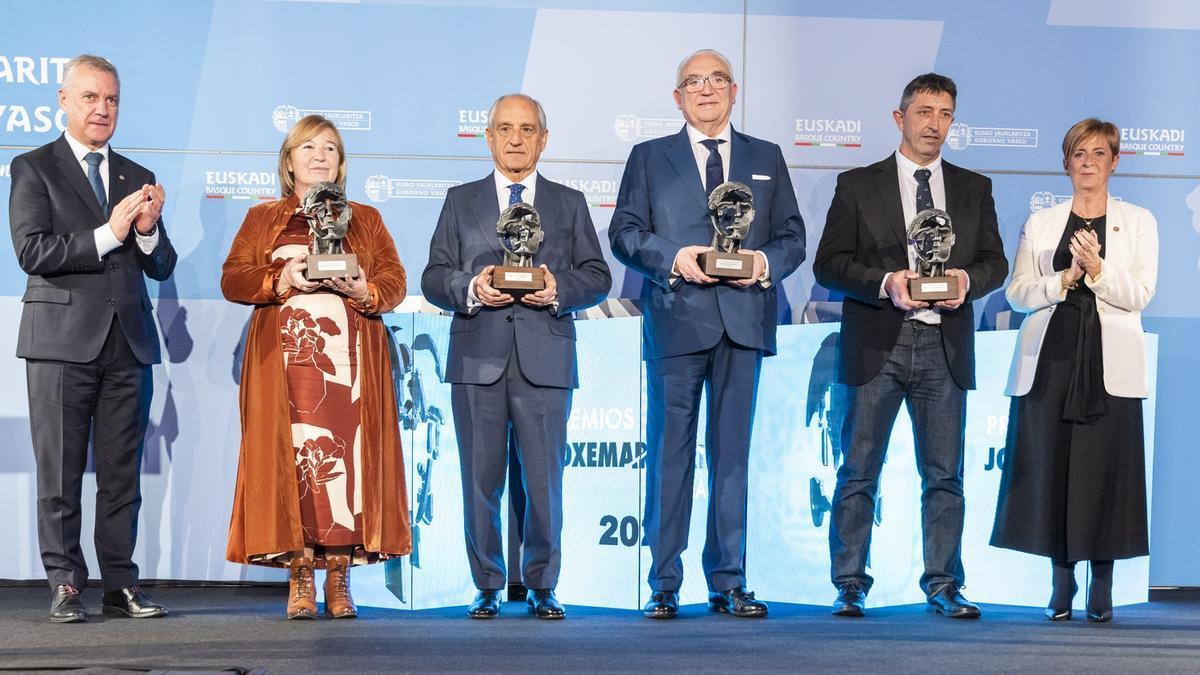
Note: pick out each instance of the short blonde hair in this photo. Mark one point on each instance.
(306, 128)
(1085, 129)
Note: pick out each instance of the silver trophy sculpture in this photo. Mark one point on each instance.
(731, 209)
(931, 237)
(328, 213)
(520, 232)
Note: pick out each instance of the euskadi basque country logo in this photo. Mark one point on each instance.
(285, 116)
(471, 123)
(962, 136)
(815, 132)
(598, 193)
(381, 188)
(630, 128)
(38, 71)
(252, 185)
(1152, 142)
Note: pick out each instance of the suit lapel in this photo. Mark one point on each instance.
(952, 182)
(549, 212)
(485, 211)
(684, 160)
(119, 185)
(888, 186)
(76, 178)
(739, 158)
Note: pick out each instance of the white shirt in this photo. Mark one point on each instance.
(695, 136)
(502, 191)
(105, 240)
(905, 168)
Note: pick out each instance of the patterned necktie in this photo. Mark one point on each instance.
(924, 194)
(514, 193)
(93, 160)
(714, 170)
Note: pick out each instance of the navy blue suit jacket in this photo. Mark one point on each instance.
(481, 340)
(662, 207)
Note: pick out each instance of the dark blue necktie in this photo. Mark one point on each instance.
(714, 171)
(924, 194)
(93, 160)
(514, 193)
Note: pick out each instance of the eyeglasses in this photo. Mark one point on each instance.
(695, 83)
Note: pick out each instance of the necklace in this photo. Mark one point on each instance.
(1088, 221)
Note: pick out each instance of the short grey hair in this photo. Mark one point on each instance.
(710, 52)
(90, 61)
(537, 104)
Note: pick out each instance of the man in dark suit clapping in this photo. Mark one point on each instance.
(86, 229)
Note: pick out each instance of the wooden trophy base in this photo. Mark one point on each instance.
(518, 281)
(933, 289)
(328, 266)
(727, 265)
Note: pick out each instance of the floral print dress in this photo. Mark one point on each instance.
(319, 336)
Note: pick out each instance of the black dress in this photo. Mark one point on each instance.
(1074, 481)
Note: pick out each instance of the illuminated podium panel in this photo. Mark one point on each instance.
(795, 453)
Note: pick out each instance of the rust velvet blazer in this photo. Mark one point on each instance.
(266, 502)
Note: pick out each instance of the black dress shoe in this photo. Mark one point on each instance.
(738, 602)
(485, 606)
(65, 605)
(945, 599)
(133, 603)
(662, 605)
(544, 605)
(851, 600)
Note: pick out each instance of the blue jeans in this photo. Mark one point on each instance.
(917, 374)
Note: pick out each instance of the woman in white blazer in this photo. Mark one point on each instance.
(1074, 486)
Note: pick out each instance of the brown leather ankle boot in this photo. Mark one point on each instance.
(302, 596)
(338, 603)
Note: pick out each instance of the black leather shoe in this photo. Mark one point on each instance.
(945, 599)
(66, 607)
(662, 605)
(544, 605)
(851, 600)
(738, 602)
(486, 605)
(133, 603)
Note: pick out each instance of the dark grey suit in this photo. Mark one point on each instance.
(88, 337)
(513, 365)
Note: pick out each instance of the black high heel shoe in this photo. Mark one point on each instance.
(1099, 605)
(1064, 590)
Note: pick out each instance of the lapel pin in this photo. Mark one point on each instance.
(1116, 228)
(120, 177)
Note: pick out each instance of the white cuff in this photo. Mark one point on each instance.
(147, 242)
(473, 302)
(106, 241)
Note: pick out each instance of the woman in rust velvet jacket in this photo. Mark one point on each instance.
(320, 478)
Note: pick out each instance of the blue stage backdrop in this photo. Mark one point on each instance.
(210, 86)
